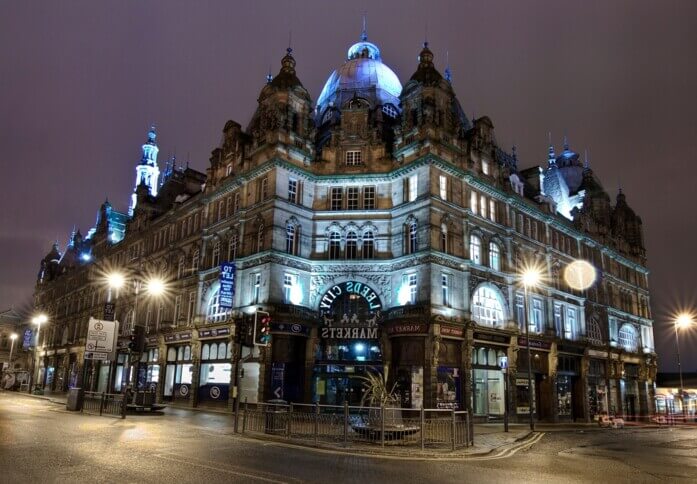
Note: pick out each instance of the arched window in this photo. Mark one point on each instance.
(215, 313)
(444, 238)
(291, 239)
(390, 110)
(411, 237)
(334, 245)
(494, 256)
(368, 245)
(595, 335)
(628, 338)
(194, 260)
(475, 249)
(351, 246)
(487, 307)
(260, 238)
(215, 259)
(232, 246)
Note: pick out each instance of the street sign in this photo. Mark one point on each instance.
(91, 355)
(109, 311)
(101, 336)
(227, 285)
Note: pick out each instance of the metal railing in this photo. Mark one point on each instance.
(424, 428)
(112, 404)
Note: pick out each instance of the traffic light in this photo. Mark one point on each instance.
(262, 328)
(241, 332)
(136, 342)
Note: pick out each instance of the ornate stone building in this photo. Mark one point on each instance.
(383, 231)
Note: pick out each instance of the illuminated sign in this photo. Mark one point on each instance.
(351, 288)
(227, 285)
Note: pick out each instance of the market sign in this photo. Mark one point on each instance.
(227, 285)
(534, 343)
(454, 331)
(349, 333)
(407, 328)
(351, 287)
(184, 336)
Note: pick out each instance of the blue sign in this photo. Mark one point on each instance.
(227, 285)
(27, 340)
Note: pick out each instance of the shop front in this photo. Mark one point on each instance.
(215, 371)
(597, 384)
(179, 368)
(488, 385)
(407, 341)
(149, 368)
(570, 389)
(287, 378)
(629, 391)
(542, 389)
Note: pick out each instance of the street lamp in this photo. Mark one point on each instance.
(13, 337)
(683, 321)
(530, 277)
(38, 320)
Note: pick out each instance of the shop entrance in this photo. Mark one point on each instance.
(336, 384)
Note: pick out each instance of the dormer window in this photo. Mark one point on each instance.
(390, 110)
(353, 158)
(327, 116)
(228, 169)
(485, 167)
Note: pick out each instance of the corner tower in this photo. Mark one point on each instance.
(147, 171)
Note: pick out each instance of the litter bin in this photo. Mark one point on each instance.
(75, 399)
(276, 417)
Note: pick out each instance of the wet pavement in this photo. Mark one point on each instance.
(41, 442)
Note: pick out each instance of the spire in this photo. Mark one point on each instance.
(269, 76)
(364, 32)
(551, 157)
(566, 143)
(514, 155)
(147, 171)
(448, 76)
(586, 161)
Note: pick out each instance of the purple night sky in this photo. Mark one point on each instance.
(82, 81)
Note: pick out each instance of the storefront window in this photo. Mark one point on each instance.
(488, 381)
(448, 387)
(178, 375)
(564, 395)
(215, 374)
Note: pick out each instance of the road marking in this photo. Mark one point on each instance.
(187, 460)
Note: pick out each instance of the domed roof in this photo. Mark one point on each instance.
(362, 75)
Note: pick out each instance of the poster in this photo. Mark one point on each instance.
(448, 388)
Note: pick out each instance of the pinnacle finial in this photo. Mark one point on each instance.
(566, 143)
(448, 74)
(364, 32)
(551, 157)
(586, 161)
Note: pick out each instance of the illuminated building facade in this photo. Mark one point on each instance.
(384, 231)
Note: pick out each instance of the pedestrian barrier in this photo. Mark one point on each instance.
(110, 404)
(424, 428)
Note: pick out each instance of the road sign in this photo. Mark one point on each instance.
(109, 311)
(100, 336)
(91, 355)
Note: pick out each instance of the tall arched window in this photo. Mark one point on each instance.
(475, 249)
(368, 245)
(334, 245)
(443, 238)
(194, 260)
(487, 307)
(233, 246)
(291, 239)
(494, 256)
(628, 338)
(260, 238)
(595, 335)
(215, 259)
(351, 246)
(411, 240)
(214, 314)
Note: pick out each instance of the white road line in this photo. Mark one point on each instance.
(218, 469)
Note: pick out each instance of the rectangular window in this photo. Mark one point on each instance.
(352, 198)
(492, 210)
(558, 320)
(520, 311)
(536, 319)
(485, 167)
(180, 267)
(220, 211)
(413, 187)
(443, 187)
(288, 282)
(256, 287)
(215, 259)
(412, 288)
(473, 201)
(236, 202)
(177, 309)
(482, 206)
(369, 198)
(445, 289)
(293, 191)
(232, 247)
(570, 323)
(191, 308)
(353, 158)
(264, 189)
(337, 198)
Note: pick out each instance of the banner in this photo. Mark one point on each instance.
(227, 285)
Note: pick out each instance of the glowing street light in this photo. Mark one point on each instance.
(580, 275)
(13, 337)
(38, 320)
(682, 322)
(530, 277)
(155, 287)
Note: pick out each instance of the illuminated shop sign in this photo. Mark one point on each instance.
(349, 333)
(351, 288)
(350, 310)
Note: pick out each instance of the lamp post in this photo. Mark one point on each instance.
(38, 320)
(683, 321)
(530, 277)
(13, 337)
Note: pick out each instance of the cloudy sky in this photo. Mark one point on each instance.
(81, 81)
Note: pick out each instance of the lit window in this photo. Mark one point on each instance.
(334, 245)
(293, 191)
(475, 249)
(413, 187)
(353, 158)
(520, 311)
(177, 309)
(215, 313)
(337, 198)
(444, 238)
(494, 256)
(473, 202)
(445, 289)
(216, 254)
(256, 287)
(352, 198)
(595, 335)
(485, 167)
(558, 319)
(291, 239)
(570, 323)
(228, 169)
(369, 198)
(536, 320)
(443, 187)
(412, 288)
(482, 206)
(412, 238)
(288, 282)
(487, 307)
(232, 247)
(628, 338)
(368, 245)
(351, 246)
(390, 110)
(492, 210)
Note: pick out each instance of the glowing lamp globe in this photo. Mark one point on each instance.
(580, 275)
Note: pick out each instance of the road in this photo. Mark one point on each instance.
(41, 442)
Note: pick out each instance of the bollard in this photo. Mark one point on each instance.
(382, 425)
(452, 430)
(346, 423)
(316, 421)
(423, 427)
(244, 418)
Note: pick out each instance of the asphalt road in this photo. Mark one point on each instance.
(41, 442)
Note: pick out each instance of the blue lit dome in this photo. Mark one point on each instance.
(363, 75)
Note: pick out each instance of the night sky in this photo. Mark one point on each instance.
(81, 82)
